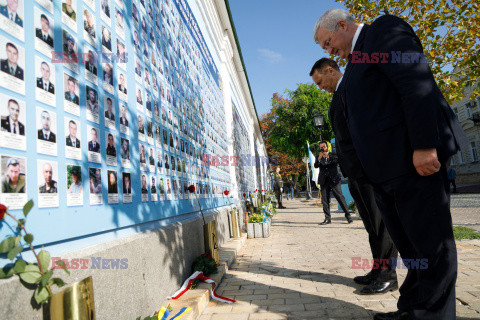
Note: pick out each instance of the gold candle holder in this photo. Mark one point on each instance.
(74, 303)
(210, 239)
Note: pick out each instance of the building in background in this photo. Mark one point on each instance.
(467, 162)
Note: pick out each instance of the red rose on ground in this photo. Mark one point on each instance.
(3, 209)
(226, 192)
(191, 188)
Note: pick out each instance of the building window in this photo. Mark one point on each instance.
(460, 157)
(468, 111)
(455, 110)
(473, 149)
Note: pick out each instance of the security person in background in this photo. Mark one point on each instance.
(326, 74)
(329, 180)
(277, 187)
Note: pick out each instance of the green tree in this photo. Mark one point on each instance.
(291, 120)
(449, 31)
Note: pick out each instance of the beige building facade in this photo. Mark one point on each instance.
(467, 162)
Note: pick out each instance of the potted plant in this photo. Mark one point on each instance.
(258, 226)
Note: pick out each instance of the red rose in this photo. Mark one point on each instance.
(244, 194)
(226, 192)
(3, 209)
(191, 188)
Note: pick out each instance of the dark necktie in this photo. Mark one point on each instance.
(11, 71)
(14, 129)
(46, 137)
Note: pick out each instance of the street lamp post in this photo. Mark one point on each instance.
(318, 122)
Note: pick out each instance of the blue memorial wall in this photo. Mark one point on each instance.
(107, 110)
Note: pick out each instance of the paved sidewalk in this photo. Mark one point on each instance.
(303, 271)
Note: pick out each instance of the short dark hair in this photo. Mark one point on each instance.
(323, 63)
(323, 141)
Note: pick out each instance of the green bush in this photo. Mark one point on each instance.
(205, 263)
(255, 218)
(352, 206)
(465, 233)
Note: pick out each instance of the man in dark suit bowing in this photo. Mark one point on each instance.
(404, 134)
(329, 181)
(327, 76)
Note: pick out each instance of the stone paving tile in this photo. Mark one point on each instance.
(303, 270)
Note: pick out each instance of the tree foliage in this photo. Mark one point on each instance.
(449, 31)
(289, 125)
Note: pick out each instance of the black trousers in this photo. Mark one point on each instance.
(337, 193)
(381, 244)
(416, 211)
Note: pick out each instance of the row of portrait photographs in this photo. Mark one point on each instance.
(14, 185)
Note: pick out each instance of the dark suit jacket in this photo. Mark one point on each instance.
(4, 11)
(18, 72)
(69, 142)
(91, 148)
(110, 117)
(50, 89)
(347, 156)
(39, 35)
(392, 108)
(94, 68)
(51, 137)
(124, 122)
(328, 169)
(6, 125)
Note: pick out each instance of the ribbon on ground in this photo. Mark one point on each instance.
(181, 313)
(163, 313)
(198, 275)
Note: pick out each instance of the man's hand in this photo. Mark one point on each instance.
(426, 161)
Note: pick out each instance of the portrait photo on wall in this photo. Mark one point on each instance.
(89, 27)
(12, 63)
(141, 127)
(112, 186)
(71, 94)
(125, 152)
(69, 14)
(144, 187)
(122, 86)
(44, 26)
(70, 51)
(153, 187)
(46, 121)
(72, 140)
(93, 144)
(124, 124)
(13, 122)
(92, 104)
(108, 77)
(47, 177)
(45, 81)
(12, 18)
(121, 54)
(127, 187)
(91, 65)
(105, 11)
(74, 185)
(119, 23)
(109, 113)
(106, 39)
(13, 171)
(111, 149)
(142, 154)
(95, 185)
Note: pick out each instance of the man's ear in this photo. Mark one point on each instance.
(342, 25)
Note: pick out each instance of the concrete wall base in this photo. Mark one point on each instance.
(158, 261)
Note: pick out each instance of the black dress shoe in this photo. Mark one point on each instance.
(326, 221)
(397, 315)
(379, 287)
(365, 280)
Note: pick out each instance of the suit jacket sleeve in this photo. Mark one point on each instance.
(413, 80)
